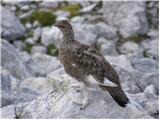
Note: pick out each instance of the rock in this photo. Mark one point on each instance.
(128, 80)
(128, 21)
(44, 64)
(151, 48)
(8, 82)
(150, 104)
(82, 3)
(153, 34)
(11, 30)
(19, 44)
(49, 4)
(150, 91)
(64, 14)
(145, 65)
(36, 24)
(37, 34)
(19, 96)
(152, 13)
(130, 47)
(60, 104)
(30, 41)
(13, 62)
(88, 8)
(78, 19)
(145, 79)
(109, 48)
(39, 49)
(8, 112)
(106, 31)
(121, 61)
(25, 8)
(51, 36)
(28, 25)
(84, 34)
(38, 84)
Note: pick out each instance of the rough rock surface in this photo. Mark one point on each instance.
(60, 104)
(13, 62)
(11, 27)
(128, 21)
(44, 64)
(51, 36)
(8, 112)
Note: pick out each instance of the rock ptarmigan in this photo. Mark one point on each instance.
(87, 65)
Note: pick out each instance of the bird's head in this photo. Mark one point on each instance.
(64, 26)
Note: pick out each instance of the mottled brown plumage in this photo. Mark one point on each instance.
(81, 61)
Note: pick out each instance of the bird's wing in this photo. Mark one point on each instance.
(93, 62)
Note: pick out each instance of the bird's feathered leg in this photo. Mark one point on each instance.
(83, 101)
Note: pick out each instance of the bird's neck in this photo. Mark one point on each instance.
(68, 36)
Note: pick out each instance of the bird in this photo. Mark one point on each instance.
(87, 65)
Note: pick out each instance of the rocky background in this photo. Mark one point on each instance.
(33, 82)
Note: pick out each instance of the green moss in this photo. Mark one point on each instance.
(52, 50)
(28, 48)
(45, 18)
(137, 38)
(145, 53)
(72, 9)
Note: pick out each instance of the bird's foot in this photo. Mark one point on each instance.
(82, 95)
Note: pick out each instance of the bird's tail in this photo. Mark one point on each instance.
(118, 95)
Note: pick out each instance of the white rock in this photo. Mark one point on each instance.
(62, 14)
(19, 44)
(145, 65)
(78, 19)
(59, 104)
(130, 17)
(13, 62)
(130, 47)
(121, 61)
(39, 49)
(51, 35)
(150, 91)
(109, 48)
(11, 27)
(37, 34)
(8, 112)
(84, 34)
(25, 7)
(39, 84)
(49, 4)
(105, 31)
(151, 48)
(88, 8)
(145, 79)
(128, 80)
(36, 24)
(28, 25)
(8, 82)
(30, 41)
(44, 64)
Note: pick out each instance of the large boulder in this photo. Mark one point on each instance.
(61, 104)
(12, 61)
(51, 35)
(8, 112)
(130, 17)
(11, 28)
(43, 64)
